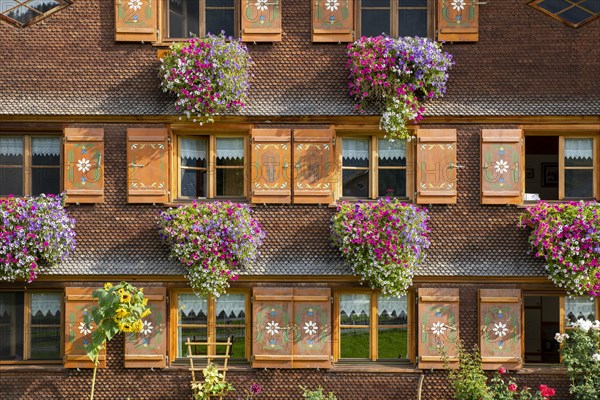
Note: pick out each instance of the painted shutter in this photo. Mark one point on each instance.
(312, 328)
(436, 166)
(83, 179)
(458, 25)
(272, 323)
(332, 24)
(502, 163)
(261, 22)
(148, 349)
(148, 165)
(136, 21)
(314, 166)
(500, 328)
(438, 326)
(271, 166)
(78, 302)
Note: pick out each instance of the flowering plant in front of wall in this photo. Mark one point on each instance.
(212, 240)
(567, 236)
(401, 74)
(33, 231)
(384, 242)
(209, 76)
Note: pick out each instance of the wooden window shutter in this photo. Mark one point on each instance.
(436, 166)
(312, 323)
(500, 312)
(83, 179)
(438, 326)
(148, 165)
(333, 24)
(314, 166)
(271, 166)
(502, 163)
(148, 349)
(261, 22)
(456, 25)
(78, 302)
(272, 335)
(136, 22)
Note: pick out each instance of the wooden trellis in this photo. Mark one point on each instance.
(209, 357)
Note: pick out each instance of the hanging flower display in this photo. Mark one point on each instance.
(567, 236)
(33, 231)
(384, 242)
(209, 76)
(400, 74)
(212, 240)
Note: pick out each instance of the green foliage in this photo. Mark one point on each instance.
(469, 381)
(316, 394)
(500, 390)
(214, 384)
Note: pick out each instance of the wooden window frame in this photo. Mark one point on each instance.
(556, 16)
(27, 166)
(164, 20)
(27, 331)
(41, 16)
(211, 166)
(373, 325)
(395, 5)
(374, 168)
(211, 326)
(562, 134)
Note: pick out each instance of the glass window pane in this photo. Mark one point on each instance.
(11, 181)
(554, 6)
(11, 150)
(392, 182)
(45, 180)
(355, 309)
(184, 18)
(11, 326)
(412, 23)
(355, 183)
(45, 151)
(231, 309)
(193, 152)
(193, 183)
(192, 309)
(230, 152)
(579, 307)
(391, 154)
(238, 338)
(195, 335)
(412, 3)
(374, 22)
(575, 15)
(45, 325)
(392, 310)
(579, 152)
(230, 182)
(375, 3)
(579, 183)
(392, 343)
(355, 152)
(220, 20)
(354, 342)
(592, 5)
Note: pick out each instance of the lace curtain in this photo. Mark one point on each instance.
(580, 307)
(11, 145)
(46, 303)
(230, 148)
(579, 148)
(393, 306)
(45, 146)
(355, 148)
(192, 149)
(231, 303)
(391, 150)
(191, 302)
(355, 303)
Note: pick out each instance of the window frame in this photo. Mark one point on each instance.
(27, 166)
(374, 167)
(27, 331)
(36, 19)
(211, 165)
(556, 16)
(373, 326)
(394, 23)
(211, 326)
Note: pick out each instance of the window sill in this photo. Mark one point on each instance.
(185, 366)
(543, 369)
(342, 366)
(33, 367)
(183, 202)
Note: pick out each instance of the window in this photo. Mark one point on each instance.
(187, 18)
(202, 319)
(572, 12)
(561, 167)
(374, 167)
(372, 326)
(30, 165)
(198, 177)
(30, 326)
(543, 321)
(26, 12)
(396, 18)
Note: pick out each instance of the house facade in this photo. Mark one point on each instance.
(79, 80)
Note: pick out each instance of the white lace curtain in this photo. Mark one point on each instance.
(46, 303)
(192, 149)
(579, 148)
(355, 303)
(393, 306)
(11, 145)
(231, 303)
(191, 302)
(230, 148)
(391, 150)
(580, 307)
(355, 148)
(45, 146)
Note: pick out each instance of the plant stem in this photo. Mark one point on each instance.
(94, 375)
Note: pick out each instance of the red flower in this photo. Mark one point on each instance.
(547, 391)
(512, 387)
(502, 371)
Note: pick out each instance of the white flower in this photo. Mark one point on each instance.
(596, 357)
(332, 5)
(596, 325)
(438, 328)
(135, 4)
(500, 329)
(261, 5)
(583, 324)
(84, 328)
(83, 165)
(501, 166)
(310, 328)
(147, 328)
(458, 5)
(273, 328)
(560, 338)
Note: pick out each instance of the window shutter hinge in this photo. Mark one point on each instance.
(331, 299)
(169, 140)
(167, 299)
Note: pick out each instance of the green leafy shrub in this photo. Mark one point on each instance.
(316, 394)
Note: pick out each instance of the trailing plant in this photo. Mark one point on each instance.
(468, 381)
(384, 242)
(316, 394)
(211, 240)
(255, 389)
(399, 74)
(214, 384)
(33, 231)
(580, 349)
(567, 236)
(208, 76)
(120, 308)
(501, 390)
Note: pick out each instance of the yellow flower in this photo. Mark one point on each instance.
(141, 290)
(145, 302)
(125, 297)
(126, 327)
(121, 291)
(107, 286)
(146, 313)
(121, 312)
(138, 326)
